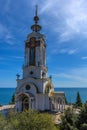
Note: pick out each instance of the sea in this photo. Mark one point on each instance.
(6, 94)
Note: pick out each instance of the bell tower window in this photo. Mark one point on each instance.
(32, 56)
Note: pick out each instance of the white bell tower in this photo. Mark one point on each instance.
(35, 53)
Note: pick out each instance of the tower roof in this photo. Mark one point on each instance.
(36, 27)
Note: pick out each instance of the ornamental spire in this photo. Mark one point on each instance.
(36, 18)
(36, 9)
(36, 27)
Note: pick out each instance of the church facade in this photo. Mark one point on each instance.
(35, 90)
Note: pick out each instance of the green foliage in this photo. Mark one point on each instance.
(78, 101)
(28, 120)
(68, 120)
(13, 99)
(81, 122)
(83, 127)
(2, 122)
(73, 121)
(33, 120)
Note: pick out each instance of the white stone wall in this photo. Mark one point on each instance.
(37, 82)
(42, 102)
(47, 102)
(36, 72)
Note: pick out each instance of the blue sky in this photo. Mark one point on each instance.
(64, 23)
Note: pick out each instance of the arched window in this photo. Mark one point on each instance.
(32, 56)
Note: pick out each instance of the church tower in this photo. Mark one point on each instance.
(33, 89)
(35, 53)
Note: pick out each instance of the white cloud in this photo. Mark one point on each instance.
(11, 58)
(72, 15)
(65, 51)
(84, 58)
(17, 57)
(65, 35)
(68, 51)
(78, 76)
(6, 35)
(72, 77)
(3, 30)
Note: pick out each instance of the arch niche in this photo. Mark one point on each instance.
(24, 101)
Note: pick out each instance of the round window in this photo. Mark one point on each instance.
(27, 87)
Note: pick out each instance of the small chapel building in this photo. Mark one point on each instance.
(35, 90)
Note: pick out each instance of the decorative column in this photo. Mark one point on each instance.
(20, 106)
(25, 57)
(59, 104)
(28, 57)
(29, 103)
(56, 104)
(62, 104)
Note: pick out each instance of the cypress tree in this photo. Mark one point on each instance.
(81, 121)
(78, 100)
(13, 99)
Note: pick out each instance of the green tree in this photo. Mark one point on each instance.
(83, 127)
(0, 105)
(66, 100)
(81, 121)
(13, 99)
(31, 120)
(78, 102)
(68, 120)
